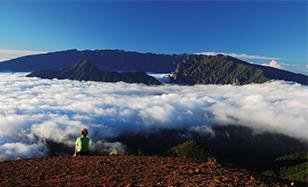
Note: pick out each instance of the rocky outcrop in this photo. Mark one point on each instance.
(124, 171)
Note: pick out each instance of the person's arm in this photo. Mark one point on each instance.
(76, 147)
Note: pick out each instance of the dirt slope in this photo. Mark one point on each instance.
(121, 171)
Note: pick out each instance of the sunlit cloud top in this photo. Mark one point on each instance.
(241, 56)
(33, 110)
(7, 54)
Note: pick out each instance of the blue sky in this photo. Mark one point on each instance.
(255, 31)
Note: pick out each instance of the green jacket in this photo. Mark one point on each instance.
(82, 144)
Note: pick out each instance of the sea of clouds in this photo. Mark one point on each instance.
(34, 110)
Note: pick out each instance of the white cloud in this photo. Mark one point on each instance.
(162, 77)
(241, 56)
(33, 110)
(114, 147)
(7, 54)
(274, 64)
(20, 150)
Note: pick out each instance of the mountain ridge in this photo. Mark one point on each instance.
(107, 59)
(222, 69)
(86, 71)
(128, 61)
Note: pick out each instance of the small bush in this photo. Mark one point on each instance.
(191, 149)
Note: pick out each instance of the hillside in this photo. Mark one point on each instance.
(187, 68)
(122, 171)
(228, 70)
(111, 60)
(290, 167)
(86, 71)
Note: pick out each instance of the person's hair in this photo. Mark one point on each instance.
(84, 132)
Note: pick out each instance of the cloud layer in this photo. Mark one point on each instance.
(34, 110)
(7, 54)
(274, 64)
(241, 56)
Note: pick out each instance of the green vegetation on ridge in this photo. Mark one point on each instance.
(293, 167)
(217, 70)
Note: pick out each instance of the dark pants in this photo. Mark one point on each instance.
(83, 153)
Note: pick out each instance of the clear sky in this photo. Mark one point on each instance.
(254, 31)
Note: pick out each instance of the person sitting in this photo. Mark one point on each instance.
(82, 144)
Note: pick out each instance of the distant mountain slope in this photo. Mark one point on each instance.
(84, 70)
(111, 60)
(187, 68)
(222, 69)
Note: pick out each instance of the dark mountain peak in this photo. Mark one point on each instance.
(220, 56)
(84, 64)
(83, 70)
(71, 50)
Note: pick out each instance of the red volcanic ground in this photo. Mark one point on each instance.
(122, 171)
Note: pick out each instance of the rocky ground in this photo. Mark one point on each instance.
(123, 171)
